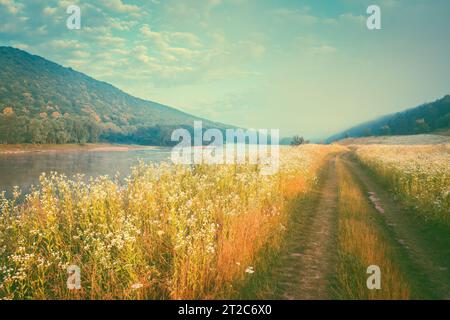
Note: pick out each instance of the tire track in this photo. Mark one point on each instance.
(309, 262)
(419, 250)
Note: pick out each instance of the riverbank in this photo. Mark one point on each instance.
(103, 147)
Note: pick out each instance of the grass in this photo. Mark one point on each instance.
(169, 232)
(431, 234)
(268, 282)
(418, 176)
(362, 244)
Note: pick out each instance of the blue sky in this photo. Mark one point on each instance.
(307, 67)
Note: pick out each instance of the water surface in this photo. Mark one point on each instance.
(24, 169)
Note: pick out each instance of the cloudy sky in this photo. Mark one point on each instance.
(308, 67)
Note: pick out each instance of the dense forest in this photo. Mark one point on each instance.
(73, 129)
(62, 129)
(426, 118)
(43, 102)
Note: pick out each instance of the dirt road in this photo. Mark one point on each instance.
(308, 262)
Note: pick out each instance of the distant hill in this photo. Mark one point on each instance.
(43, 102)
(427, 118)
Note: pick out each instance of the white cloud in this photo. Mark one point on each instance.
(119, 6)
(81, 54)
(109, 41)
(49, 10)
(156, 37)
(302, 15)
(67, 44)
(65, 3)
(183, 53)
(163, 42)
(119, 51)
(121, 24)
(22, 46)
(187, 38)
(12, 6)
(42, 30)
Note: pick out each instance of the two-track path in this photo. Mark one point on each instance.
(308, 262)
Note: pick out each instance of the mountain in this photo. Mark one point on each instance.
(43, 102)
(429, 117)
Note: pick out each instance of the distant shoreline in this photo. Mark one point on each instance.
(89, 147)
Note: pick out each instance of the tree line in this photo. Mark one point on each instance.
(64, 129)
(426, 118)
(15, 129)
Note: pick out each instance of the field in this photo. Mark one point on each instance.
(214, 232)
(418, 139)
(419, 176)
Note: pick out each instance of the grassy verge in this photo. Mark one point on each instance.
(362, 244)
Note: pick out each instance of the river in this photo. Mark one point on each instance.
(24, 169)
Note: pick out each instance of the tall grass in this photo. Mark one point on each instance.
(168, 232)
(419, 176)
(360, 245)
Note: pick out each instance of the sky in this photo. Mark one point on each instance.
(304, 67)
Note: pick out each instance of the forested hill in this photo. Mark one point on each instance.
(423, 119)
(43, 102)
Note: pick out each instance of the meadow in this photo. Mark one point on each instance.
(168, 232)
(418, 175)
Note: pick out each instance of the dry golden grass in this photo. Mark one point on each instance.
(361, 245)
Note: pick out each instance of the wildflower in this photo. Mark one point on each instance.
(249, 270)
(137, 286)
